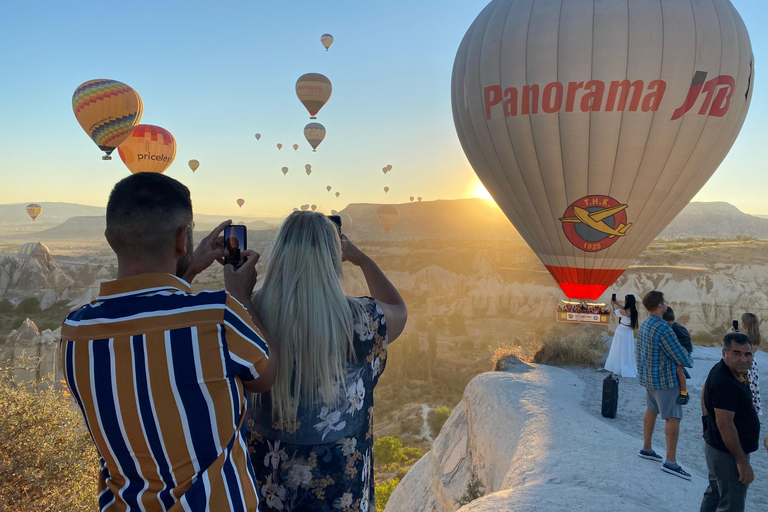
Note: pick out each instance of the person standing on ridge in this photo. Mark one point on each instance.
(621, 356)
(657, 352)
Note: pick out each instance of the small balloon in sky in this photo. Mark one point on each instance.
(194, 164)
(313, 90)
(304, 207)
(384, 170)
(386, 189)
(411, 198)
(328, 188)
(326, 40)
(240, 202)
(387, 215)
(314, 207)
(308, 169)
(338, 194)
(389, 167)
(295, 147)
(108, 111)
(418, 199)
(279, 146)
(285, 170)
(149, 149)
(34, 210)
(314, 133)
(258, 136)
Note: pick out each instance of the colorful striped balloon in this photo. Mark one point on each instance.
(148, 149)
(34, 210)
(26, 250)
(108, 111)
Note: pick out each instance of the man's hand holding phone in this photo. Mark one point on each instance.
(210, 249)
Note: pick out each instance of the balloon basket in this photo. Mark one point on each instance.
(106, 157)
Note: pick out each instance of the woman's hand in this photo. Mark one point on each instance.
(239, 282)
(350, 252)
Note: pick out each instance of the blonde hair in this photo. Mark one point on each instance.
(305, 311)
(751, 328)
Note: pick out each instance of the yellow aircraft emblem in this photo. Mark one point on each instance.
(596, 220)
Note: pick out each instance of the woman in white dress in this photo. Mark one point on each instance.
(621, 356)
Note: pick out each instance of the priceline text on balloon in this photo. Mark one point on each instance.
(147, 156)
(621, 95)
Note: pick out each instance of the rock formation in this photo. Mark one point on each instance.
(26, 346)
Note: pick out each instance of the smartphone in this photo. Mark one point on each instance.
(336, 220)
(235, 241)
(736, 325)
(613, 297)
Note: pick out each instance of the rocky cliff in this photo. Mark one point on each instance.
(34, 353)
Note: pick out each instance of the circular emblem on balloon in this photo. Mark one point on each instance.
(148, 149)
(594, 223)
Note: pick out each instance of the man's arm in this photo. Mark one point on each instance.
(672, 347)
(731, 439)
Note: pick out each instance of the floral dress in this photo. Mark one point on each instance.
(324, 462)
(754, 386)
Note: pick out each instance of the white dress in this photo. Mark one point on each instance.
(621, 356)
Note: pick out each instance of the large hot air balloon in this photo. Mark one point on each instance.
(328, 188)
(148, 149)
(194, 164)
(327, 40)
(338, 194)
(279, 146)
(26, 249)
(314, 133)
(314, 90)
(240, 202)
(388, 215)
(592, 124)
(285, 170)
(313, 207)
(308, 169)
(258, 136)
(34, 210)
(386, 189)
(108, 111)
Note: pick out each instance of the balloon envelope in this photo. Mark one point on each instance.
(26, 249)
(411, 198)
(384, 170)
(314, 133)
(304, 207)
(314, 207)
(34, 210)
(148, 149)
(386, 189)
(240, 202)
(592, 124)
(295, 147)
(326, 40)
(418, 199)
(285, 170)
(279, 146)
(108, 111)
(387, 215)
(389, 167)
(194, 164)
(314, 90)
(328, 188)
(258, 136)
(338, 194)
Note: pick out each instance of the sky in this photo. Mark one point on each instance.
(215, 74)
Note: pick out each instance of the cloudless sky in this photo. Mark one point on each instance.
(216, 73)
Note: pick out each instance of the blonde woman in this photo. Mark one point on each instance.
(750, 326)
(311, 436)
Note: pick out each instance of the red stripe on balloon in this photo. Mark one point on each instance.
(584, 283)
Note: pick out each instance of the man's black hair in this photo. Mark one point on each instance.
(738, 337)
(669, 315)
(144, 212)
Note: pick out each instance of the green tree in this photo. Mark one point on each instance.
(456, 325)
(438, 419)
(383, 492)
(6, 306)
(387, 450)
(29, 306)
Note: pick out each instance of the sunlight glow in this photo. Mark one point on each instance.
(481, 192)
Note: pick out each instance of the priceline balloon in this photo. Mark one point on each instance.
(593, 124)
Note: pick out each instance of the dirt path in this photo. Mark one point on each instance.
(426, 431)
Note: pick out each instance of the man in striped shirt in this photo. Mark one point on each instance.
(159, 373)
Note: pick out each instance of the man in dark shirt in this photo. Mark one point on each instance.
(731, 427)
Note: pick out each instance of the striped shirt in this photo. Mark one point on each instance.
(657, 352)
(157, 374)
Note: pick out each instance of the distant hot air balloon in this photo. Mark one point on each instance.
(411, 198)
(194, 164)
(304, 207)
(328, 188)
(346, 220)
(295, 147)
(593, 124)
(314, 90)
(386, 189)
(388, 215)
(418, 199)
(285, 170)
(148, 149)
(108, 111)
(26, 249)
(327, 40)
(240, 202)
(271, 226)
(33, 210)
(389, 167)
(279, 146)
(314, 207)
(338, 194)
(384, 170)
(295, 209)
(314, 133)
(258, 136)
(308, 169)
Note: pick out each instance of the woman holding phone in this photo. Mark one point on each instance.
(621, 356)
(311, 435)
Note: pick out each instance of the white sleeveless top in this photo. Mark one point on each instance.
(624, 320)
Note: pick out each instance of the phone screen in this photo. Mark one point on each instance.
(336, 220)
(736, 325)
(613, 297)
(235, 240)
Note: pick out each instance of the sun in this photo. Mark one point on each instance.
(481, 192)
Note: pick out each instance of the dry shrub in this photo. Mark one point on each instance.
(582, 346)
(47, 459)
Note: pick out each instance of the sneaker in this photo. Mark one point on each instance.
(678, 471)
(650, 455)
(682, 399)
